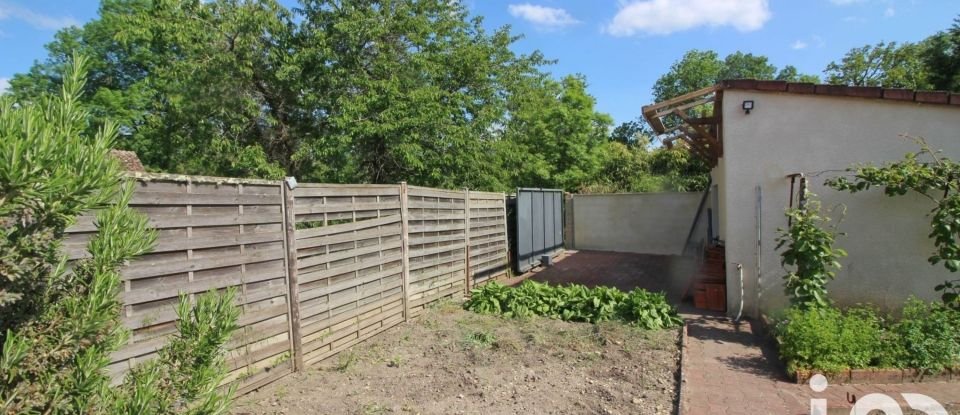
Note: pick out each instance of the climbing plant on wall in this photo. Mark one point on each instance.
(810, 253)
(930, 174)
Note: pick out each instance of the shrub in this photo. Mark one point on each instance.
(575, 302)
(927, 337)
(829, 339)
(60, 322)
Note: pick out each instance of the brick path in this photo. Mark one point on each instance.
(728, 370)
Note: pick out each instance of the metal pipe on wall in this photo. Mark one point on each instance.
(759, 246)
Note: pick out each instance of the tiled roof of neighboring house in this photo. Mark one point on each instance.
(128, 159)
(874, 92)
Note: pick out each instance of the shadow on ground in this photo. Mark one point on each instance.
(626, 271)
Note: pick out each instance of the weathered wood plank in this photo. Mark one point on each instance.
(437, 228)
(306, 243)
(443, 204)
(349, 253)
(313, 276)
(314, 208)
(145, 268)
(346, 227)
(405, 248)
(173, 198)
(417, 191)
(293, 284)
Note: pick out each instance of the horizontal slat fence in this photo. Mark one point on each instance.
(438, 244)
(488, 237)
(212, 235)
(317, 268)
(349, 253)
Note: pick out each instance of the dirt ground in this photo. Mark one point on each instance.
(451, 361)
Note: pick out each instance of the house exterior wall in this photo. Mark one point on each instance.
(646, 223)
(820, 136)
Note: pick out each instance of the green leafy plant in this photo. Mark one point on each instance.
(950, 293)
(809, 249)
(828, 339)
(575, 303)
(931, 175)
(927, 337)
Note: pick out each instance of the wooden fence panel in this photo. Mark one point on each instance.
(437, 232)
(317, 268)
(349, 255)
(488, 237)
(214, 233)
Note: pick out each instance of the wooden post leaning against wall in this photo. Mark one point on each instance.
(466, 230)
(405, 250)
(293, 285)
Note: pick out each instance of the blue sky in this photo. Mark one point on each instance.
(622, 46)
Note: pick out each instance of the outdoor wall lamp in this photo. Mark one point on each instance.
(747, 106)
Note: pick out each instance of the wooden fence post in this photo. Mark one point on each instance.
(466, 231)
(506, 238)
(405, 249)
(293, 285)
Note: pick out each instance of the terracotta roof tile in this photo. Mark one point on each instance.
(872, 92)
(129, 160)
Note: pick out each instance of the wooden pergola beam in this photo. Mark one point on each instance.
(650, 109)
(699, 129)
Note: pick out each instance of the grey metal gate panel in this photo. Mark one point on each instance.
(539, 226)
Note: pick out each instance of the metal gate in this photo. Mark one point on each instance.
(538, 226)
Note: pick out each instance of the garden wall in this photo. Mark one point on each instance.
(646, 223)
(317, 268)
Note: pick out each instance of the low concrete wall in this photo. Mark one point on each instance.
(646, 223)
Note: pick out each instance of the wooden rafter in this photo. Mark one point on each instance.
(698, 128)
(700, 134)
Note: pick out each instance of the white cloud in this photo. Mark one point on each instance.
(542, 16)
(889, 12)
(4, 85)
(37, 20)
(662, 17)
(799, 45)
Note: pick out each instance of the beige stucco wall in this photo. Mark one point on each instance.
(648, 223)
(788, 133)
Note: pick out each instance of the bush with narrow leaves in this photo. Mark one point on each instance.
(60, 321)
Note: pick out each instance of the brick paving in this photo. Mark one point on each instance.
(727, 369)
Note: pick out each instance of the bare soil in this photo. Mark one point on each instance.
(451, 361)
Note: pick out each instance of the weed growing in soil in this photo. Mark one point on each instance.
(346, 360)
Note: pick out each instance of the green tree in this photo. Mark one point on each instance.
(555, 137)
(890, 65)
(790, 73)
(699, 69)
(941, 57)
(633, 132)
(695, 70)
(739, 65)
(59, 323)
(352, 90)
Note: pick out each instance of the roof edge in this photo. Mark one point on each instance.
(870, 92)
